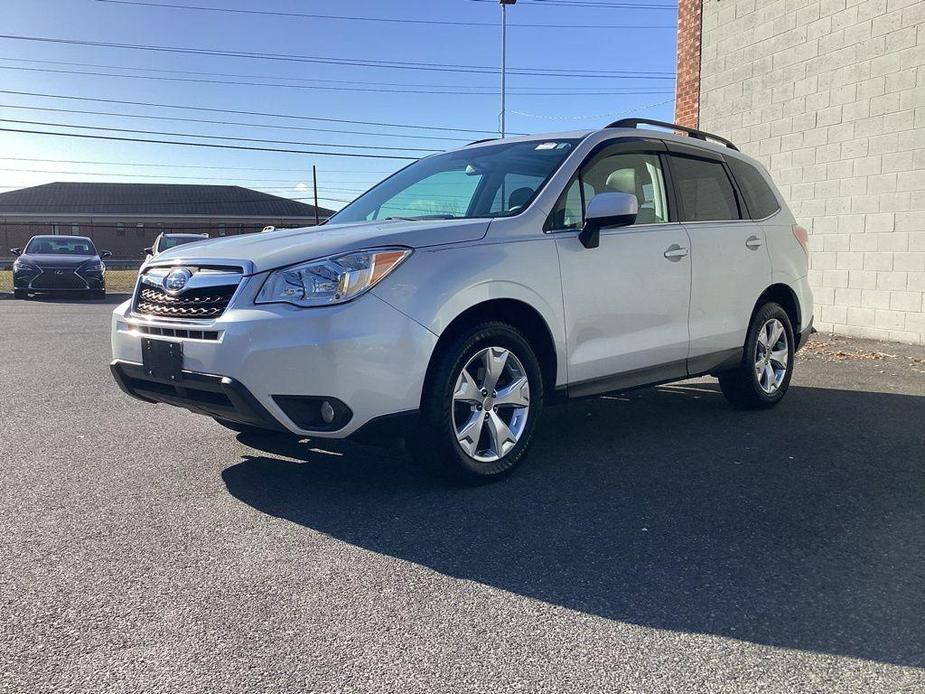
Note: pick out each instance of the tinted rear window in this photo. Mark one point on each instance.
(759, 198)
(706, 192)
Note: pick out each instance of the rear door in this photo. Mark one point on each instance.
(730, 266)
(626, 301)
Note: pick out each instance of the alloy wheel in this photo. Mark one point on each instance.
(772, 355)
(491, 403)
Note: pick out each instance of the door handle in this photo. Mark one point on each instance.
(753, 243)
(675, 252)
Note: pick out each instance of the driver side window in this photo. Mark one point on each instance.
(622, 172)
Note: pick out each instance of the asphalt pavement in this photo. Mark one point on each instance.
(655, 541)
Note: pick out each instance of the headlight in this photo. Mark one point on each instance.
(332, 280)
(92, 266)
(20, 266)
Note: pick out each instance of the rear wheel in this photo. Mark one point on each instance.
(480, 405)
(20, 294)
(763, 377)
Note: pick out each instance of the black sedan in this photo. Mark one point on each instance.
(51, 264)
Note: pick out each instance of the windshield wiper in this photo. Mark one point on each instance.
(423, 216)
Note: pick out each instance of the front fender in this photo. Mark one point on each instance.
(436, 285)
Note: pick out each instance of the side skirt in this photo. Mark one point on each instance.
(712, 363)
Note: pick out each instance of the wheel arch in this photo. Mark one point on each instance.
(783, 295)
(516, 313)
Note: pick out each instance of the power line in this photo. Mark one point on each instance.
(415, 88)
(385, 64)
(429, 22)
(210, 145)
(165, 227)
(593, 5)
(211, 137)
(221, 122)
(187, 166)
(249, 113)
(188, 178)
(161, 78)
(165, 202)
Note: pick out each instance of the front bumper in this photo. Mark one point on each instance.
(365, 354)
(58, 280)
(213, 396)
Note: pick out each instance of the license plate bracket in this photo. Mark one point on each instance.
(162, 360)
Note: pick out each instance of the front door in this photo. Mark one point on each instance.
(626, 301)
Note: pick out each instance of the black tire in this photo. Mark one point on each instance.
(20, 294)
(742, 386)
(99, 294)
(245, 429)
(435, 444)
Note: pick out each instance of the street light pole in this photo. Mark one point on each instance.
(315, 186)
(504, 4)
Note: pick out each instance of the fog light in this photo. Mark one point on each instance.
(313, 412)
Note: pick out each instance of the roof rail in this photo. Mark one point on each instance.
(691, 132)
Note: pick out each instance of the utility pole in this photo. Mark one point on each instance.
(315, 186)
(504, 4)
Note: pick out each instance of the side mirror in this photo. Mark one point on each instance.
(607, 210)
(105, 254)
(16, 251)
(148, 251)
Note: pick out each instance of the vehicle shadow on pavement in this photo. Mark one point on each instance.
(800, 527)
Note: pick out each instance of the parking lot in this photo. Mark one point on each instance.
(656, 541)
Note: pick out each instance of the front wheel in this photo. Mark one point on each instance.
(20, 294)
(480, 405)
(763, 377)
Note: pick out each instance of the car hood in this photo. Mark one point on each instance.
(61, 260)
(274, 249)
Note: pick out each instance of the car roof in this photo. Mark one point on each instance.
(62, 236)
(606, 133)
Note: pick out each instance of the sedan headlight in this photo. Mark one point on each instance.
(332, 280)
(21, 266)
(92, 266)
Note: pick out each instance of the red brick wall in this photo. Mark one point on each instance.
(687, 89)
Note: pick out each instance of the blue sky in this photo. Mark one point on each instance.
(359, 93)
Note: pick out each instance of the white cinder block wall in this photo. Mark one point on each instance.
(830, 96)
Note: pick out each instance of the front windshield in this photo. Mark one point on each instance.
(492, 181)
(171, 241)
(63, 245)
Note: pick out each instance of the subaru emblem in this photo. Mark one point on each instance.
(175, 281)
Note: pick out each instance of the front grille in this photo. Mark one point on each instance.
(208, 302)
(50, 279)
(177, 332)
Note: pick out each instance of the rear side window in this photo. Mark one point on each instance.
(706, 192)
(759, 198)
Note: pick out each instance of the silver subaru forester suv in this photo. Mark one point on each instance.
(452, 301)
